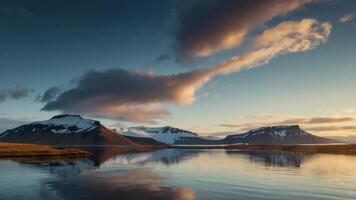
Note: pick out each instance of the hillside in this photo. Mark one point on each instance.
(64, 130)
(275, 135)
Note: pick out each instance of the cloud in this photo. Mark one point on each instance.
(51, 94)
(331, 128)
(22, 12)
(124, 92)
(287, 37)
(15, 93)
(206, 27)
(293, 120)
(320, 120)
(116, 91)
(349, 111)
(347, 18)
(316, 124)
(144, 114)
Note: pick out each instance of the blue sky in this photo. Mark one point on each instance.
(53, 43)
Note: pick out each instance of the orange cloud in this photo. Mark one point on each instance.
(317, 124)
(347, 18)
(207, 27)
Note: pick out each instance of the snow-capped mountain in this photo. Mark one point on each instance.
(166, 135)
(264, 135)
(75, 130)
(277, 135)
(65, 130)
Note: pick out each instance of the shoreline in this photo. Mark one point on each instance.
(17, 151)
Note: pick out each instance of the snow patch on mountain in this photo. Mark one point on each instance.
(61, 124)
(167, 134)
(280, 132)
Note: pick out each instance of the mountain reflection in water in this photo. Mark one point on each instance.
(183, 174)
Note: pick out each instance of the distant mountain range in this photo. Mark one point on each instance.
(166, 135)
(75, 130)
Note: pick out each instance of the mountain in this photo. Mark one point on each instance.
(75, 130)
(166, 134)
(64, 130)
(273, 135)
(277, 135)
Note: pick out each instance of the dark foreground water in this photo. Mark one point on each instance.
(184, 174)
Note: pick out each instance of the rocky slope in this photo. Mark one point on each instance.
(277, 135)
(64, 130)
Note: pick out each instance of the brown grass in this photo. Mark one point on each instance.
(13, 150)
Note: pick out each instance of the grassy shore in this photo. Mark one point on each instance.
(12, 150)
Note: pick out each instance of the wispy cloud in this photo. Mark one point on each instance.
(331, 128)
(349, 111)
(113, 92)
(295, 120)
(50, 94)
(316, 124)
(14, 93)
(206, 27)
(348, 17)
(23, 12)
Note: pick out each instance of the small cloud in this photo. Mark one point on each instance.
(349, 111)
(15, 93)
(23, 12)
(347, 18)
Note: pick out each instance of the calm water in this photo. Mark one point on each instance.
(184, 174)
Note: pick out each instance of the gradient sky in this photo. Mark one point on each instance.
(46, 44)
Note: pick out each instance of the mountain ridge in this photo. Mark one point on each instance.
(75, 130)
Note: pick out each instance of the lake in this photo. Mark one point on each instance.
(183, 174)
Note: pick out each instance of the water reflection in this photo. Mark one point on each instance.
(269, 158)
(165, 156)
(183, 174)
(123, 184)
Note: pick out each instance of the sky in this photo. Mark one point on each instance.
(213, 67)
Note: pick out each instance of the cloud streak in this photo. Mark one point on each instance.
(15, 93)
(289, 121)
(113, 92)
(315, 124)
(206, 27)
(331, 128)
(347, 18)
